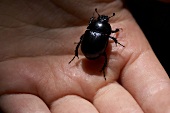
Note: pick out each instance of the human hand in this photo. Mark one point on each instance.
(37, 42)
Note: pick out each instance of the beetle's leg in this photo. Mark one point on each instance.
(115, 40)
(104, 65)
(91, 19)
(115, 31)
(76, 50)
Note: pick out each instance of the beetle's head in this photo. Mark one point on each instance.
(103, 18)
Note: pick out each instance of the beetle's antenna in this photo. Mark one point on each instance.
(97, 11)
(112, 15)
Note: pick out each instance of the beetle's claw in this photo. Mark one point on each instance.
(120, 44)
(104, 75)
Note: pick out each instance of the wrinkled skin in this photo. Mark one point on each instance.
(37, 42)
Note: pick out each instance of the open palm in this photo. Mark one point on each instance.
(37, 42)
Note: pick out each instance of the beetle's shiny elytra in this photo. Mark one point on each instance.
(95, 39)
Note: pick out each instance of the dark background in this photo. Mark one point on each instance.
(154, 19)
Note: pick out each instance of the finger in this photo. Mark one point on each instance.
(149, 84)
(22, 103)
(115, 99)
(72, 104)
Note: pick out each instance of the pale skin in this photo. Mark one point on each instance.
(37, 42)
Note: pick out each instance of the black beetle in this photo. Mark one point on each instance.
(95, 39)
